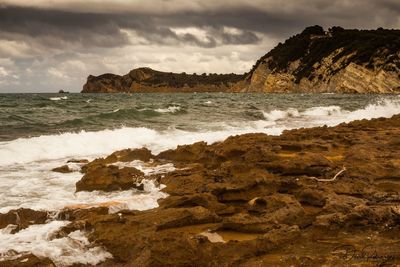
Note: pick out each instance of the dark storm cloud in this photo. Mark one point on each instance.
(87, 29)
(57, 44)
(103, 29)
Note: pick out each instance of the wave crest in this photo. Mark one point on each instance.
(87, 144)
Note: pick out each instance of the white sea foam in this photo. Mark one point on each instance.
(170, 109)
(58, 98)
(275, 114)
(89, 144)
(146, 168)
(331, 115)
(39, 240)
(34, 186)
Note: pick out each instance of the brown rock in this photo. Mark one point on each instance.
(127, 155)
(62, 169)
(259, 194)
(79, 161)
(29, 260)
(22, 218)
(110, 178)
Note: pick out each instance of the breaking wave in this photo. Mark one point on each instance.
(58, 98)
(170, 109)
(85, 144)
(333, 115)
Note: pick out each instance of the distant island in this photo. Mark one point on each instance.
(337, 60)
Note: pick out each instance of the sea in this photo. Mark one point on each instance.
(39, 132)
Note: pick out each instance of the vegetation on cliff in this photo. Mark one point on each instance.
(183, 79)
(159, 81)
(372, 48)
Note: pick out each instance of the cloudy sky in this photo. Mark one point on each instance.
(48, 45)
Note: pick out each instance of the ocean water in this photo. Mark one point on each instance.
(39, 132)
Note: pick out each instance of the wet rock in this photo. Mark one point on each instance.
(312, 197)
(194, 153)
(244, 222)
(205, 200)
(303, 164)
(28, 260)
(62, 169)
(78, 161)
(110, 178)
(126, 155)
(22, 218)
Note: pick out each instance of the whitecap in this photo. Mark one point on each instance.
(170, 109)
(58, 98)
(39, 240)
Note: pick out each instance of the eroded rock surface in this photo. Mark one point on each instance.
(259, 200)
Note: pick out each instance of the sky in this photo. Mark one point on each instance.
(49, 45)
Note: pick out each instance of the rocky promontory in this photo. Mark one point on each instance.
(337, 60)
(146, 80)
(325, 196)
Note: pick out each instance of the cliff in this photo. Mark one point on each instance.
(148, 80)
(339, 60)
(315, 61)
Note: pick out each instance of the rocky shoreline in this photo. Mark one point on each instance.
(316, 60)
(309, 197)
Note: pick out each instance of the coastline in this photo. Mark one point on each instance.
(252, 199)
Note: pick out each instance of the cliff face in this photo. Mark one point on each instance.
(339, 60)
(342, 61)
(148, 80)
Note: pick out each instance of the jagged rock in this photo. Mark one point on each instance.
(22, 218)
(28, 260)
(312, 197)
(148, 80)
(62, 169)
(126, 155)
(258, 194)
(110, 178)
(78, 161)
(347, 61)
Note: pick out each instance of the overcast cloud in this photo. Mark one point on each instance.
(46, 46)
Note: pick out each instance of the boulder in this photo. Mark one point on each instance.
(110, 178)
